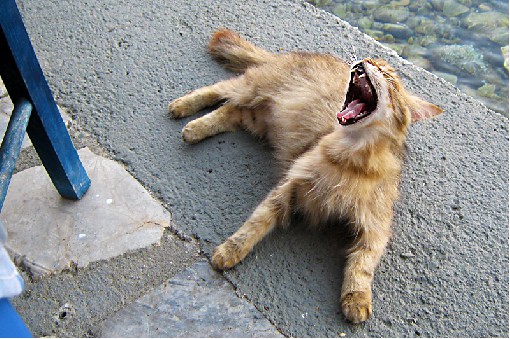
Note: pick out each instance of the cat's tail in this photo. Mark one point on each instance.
(236, 53)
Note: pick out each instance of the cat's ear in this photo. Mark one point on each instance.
(421, 109)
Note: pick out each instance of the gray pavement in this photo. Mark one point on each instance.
(115, 65)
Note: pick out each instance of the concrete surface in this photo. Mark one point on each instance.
(196, 303)
(116, 215)
(116, 65)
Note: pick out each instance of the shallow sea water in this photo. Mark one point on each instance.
(462, 41)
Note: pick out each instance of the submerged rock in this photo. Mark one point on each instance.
(411, 50)
(427, 40)
(413, 21)
(426, 26)
(341, 11)
(365, 22)
(399, 31)
(484, 7)
(388, 38)
(499, 35)
(482, 22)
(370, 5)
(487, 91)
(374, 33)
(419, 61)
(391, 14)
(452, 8)
(463, 58)
(437, 4)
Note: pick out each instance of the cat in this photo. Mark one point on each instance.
(339, 133)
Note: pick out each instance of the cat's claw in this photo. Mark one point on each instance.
(357, 306)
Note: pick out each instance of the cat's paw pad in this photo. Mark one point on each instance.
(225, 256)
(357, 306)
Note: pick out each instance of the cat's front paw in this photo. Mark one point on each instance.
(357, 306)
(226, 256)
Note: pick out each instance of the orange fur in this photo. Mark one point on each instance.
(330, 170)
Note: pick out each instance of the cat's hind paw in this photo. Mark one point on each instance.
(357, 306)
(180, 108)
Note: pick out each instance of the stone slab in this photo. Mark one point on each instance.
(197, 302)
(50, 233)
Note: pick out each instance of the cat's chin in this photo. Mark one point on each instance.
(361, 98)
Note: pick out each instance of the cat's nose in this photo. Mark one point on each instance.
(358, 66)
(359, 70)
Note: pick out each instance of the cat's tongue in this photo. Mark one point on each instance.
(350, 113)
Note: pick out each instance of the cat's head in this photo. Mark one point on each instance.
(376, 96)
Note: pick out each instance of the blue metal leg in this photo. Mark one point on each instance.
(23, 78)
(11, 145)
(11, 325)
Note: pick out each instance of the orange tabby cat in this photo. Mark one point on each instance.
(339, 132)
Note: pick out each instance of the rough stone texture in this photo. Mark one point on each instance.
(118, 65)
(50, 233)
(197, 302)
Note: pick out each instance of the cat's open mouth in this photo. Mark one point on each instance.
(361, 98)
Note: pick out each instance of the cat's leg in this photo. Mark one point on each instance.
(201, 98)
(362, 260)
(270, 212)
(226, 118)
